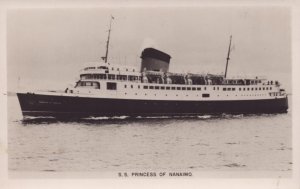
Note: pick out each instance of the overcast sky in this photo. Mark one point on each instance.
(47, 47)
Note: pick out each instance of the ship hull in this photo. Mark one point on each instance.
(76, 107)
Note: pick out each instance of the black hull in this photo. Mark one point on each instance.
(76, 107)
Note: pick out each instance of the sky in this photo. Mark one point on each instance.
(46, 48)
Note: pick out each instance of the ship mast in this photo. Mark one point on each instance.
(227, 59)
(107, 42)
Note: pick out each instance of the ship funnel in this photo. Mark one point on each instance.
(155, 60)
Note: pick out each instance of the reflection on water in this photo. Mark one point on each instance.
(189, 143)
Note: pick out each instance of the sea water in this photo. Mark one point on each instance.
(260, 143)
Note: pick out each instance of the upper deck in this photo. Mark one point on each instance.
(105, 71)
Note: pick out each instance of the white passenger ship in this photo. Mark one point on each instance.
(109, 90)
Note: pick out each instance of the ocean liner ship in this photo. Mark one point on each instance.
(109, 90)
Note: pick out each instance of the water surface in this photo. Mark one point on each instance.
(199, 143)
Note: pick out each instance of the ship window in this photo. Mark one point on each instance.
(173, 88)
(132, 86)
(111, 76)
(256, 89)
(224, 89)
(178, 88)
(240, 89)
(183, 88)
(188, 88)
(267, 88)
(103, 67)
(244, 89)
(248, 89)
(102, 76)
(168, 88)
(233, 89)
(199, 88)
(252, 89)
(81, 84)
(121, 77)
(151, 87)
(83, 76)
(125, 86)
(259, 88)
(214, 88)
(217, 88)
(139, 86)
(193, 88)
(96, 85)
(156, 87)
(204, 88)
(132, 78)
(270, 88)
(111, 86)
(145, 87)
(205, 95)
(228, 89)
(162, 87)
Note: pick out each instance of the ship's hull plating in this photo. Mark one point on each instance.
(71, 106)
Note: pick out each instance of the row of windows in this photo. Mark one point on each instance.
(118, 69)
(111, 77)
(199, 88)
(247, 89)
(242, 81)
(204, 95)
(256, 88)
(169, 88)
(105, 68)
(96, 85)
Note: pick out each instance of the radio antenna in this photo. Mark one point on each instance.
(228, 54)
(107, 42)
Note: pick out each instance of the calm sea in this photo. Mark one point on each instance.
(184, 144)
